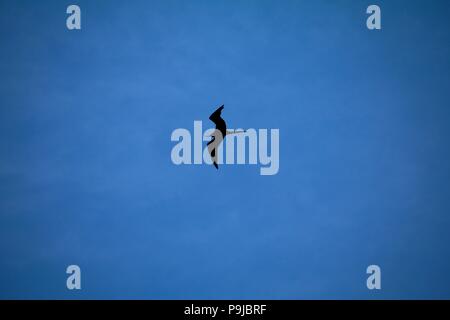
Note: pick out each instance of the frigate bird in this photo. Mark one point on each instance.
(218, 135)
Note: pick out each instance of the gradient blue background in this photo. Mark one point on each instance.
(86, 176)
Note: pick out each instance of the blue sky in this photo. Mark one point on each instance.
(86, 176)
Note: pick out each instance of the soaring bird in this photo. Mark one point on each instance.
(218, 134)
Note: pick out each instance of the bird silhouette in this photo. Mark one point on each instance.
(219, 134)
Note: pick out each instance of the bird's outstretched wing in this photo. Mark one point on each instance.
(217, 119)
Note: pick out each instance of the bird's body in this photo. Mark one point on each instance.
(218, 134)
